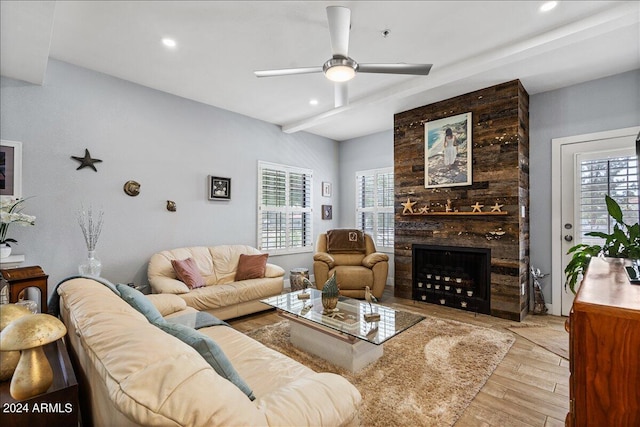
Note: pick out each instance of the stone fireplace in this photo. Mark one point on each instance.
(446, 222)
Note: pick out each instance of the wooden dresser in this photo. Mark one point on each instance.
(604, 328)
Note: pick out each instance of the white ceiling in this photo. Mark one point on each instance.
(472, 44)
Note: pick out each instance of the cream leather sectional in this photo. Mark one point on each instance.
(222, 296)
(139, 375)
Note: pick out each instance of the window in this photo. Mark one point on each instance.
(374, 205)
(617, 177)
(285, 224)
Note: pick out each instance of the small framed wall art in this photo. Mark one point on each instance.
(219, 188)
(326, 189)
(327, 212)
(10, 169)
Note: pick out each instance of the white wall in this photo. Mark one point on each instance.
(369, 152)
(168, 144)
(599, 105)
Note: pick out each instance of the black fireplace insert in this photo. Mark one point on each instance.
(453, 276)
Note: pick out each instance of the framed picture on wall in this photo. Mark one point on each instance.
(10, 169)
(326, 189)
(447, 149)
(219, 188)
(327, 212)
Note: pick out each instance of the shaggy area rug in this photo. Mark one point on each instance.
(553, 339)
(427, 376)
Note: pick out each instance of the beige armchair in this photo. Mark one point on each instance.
(352, 256)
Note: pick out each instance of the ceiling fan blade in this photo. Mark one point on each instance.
(418, 69)
(341, 94)
(287, 71)
(339, 25)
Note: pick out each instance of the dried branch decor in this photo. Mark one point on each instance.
(91, 225)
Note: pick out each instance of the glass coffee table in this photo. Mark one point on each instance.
(344, 337)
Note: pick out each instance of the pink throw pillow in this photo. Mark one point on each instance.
(187, 272)
(251, 266)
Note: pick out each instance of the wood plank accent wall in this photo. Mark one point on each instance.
(500, 136)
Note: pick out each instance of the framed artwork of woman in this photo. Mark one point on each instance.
(448, 152)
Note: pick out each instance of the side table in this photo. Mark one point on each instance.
(21, 278)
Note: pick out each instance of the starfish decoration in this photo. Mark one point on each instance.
(86, 161)
(496, 208)
(477, 207)
(408, 206)
(335, 314)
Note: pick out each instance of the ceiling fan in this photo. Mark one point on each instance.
(341, 68)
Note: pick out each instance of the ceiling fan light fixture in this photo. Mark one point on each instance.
(339, 69)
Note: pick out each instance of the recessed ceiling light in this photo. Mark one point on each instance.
(168, 42)
(313, 101)
(547, 6)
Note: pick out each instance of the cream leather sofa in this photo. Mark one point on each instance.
(132, 373)
(222, 296)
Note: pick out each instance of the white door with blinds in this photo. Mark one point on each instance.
(374, 206)
(285, 200)
(615, 175)
(590, 169)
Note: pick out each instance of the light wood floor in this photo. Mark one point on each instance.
(530, 387)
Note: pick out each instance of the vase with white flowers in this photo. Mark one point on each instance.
(11, 213)
(91, 225)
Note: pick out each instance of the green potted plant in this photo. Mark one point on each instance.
(623, 242)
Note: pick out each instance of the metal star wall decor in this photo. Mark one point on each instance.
(86, 161)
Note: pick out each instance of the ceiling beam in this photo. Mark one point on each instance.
(601, 23)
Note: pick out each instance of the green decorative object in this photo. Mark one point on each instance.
(330, 295)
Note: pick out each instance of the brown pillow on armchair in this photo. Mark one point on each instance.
(187, 272)
(251, 266)
(345, 241)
